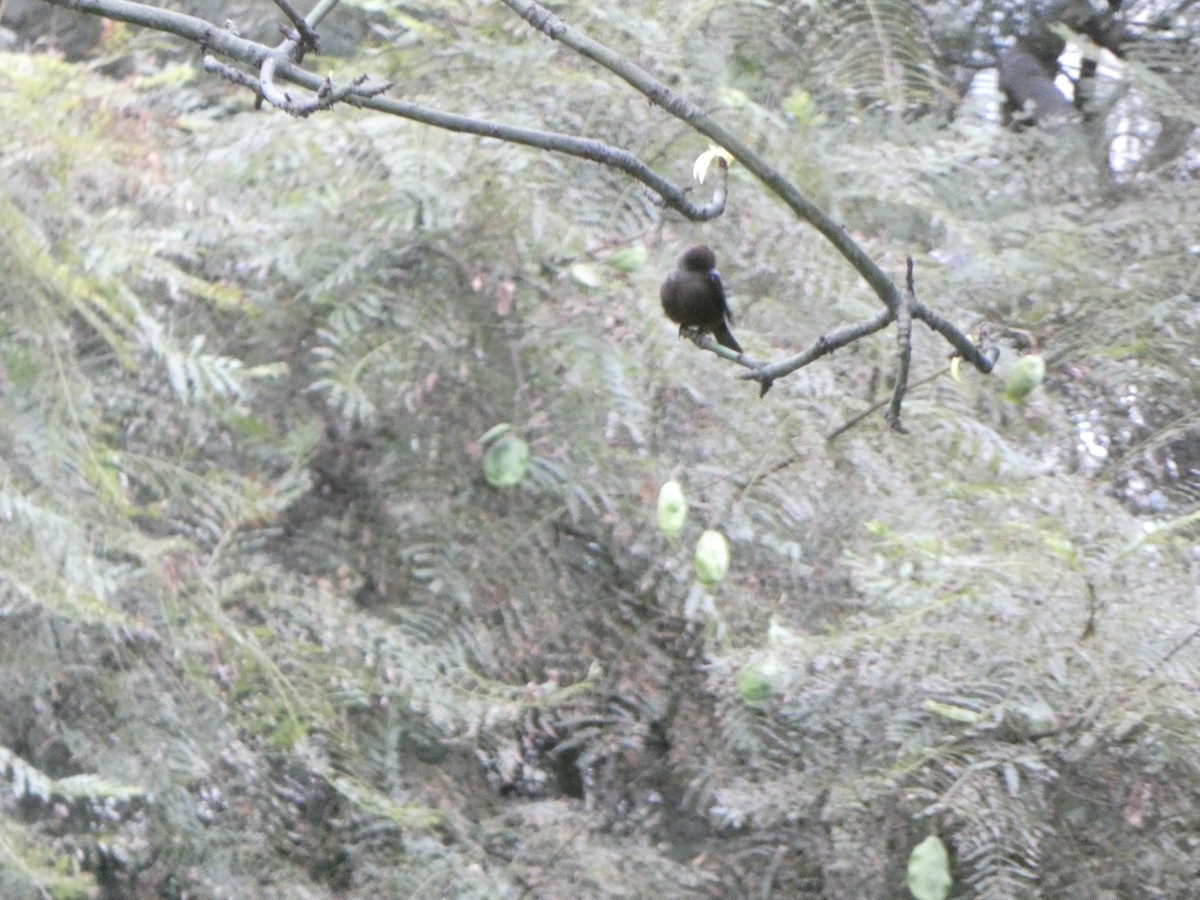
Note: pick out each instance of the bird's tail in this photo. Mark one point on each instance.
(725, 338)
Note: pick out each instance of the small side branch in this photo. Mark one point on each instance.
(825, 344)
(983, 359)
(326, 94)
(230, 74)
(875, 407)
(306, 38)
(909, 308)
(904, 346)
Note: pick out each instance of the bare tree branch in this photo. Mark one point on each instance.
(306, 37)
(824, 345)
(223, 42)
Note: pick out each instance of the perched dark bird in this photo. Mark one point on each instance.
(694, 297)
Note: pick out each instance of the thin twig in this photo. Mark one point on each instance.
(1183, 643)
(825, 344)
(308, 39)
(875, 407)
(904, 346)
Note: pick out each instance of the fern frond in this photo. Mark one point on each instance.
(872, 53)
(26, 780)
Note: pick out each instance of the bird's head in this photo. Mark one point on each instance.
(699, 259)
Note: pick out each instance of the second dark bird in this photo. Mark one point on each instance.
(694, 297)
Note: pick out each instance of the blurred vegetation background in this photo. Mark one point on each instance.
(268, 631)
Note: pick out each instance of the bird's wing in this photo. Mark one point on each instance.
(715, 277)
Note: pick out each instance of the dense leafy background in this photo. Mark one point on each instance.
(268, 632)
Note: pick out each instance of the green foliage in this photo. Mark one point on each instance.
(629, 259)
(30, 870)
(929, 870)
(672, 509)
(506, 461)
(711, 557)
(874, 52)
(26, 781)
(1025, 375)
(251, 567)
(755, 680)
(32, 864)
(850, 56)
